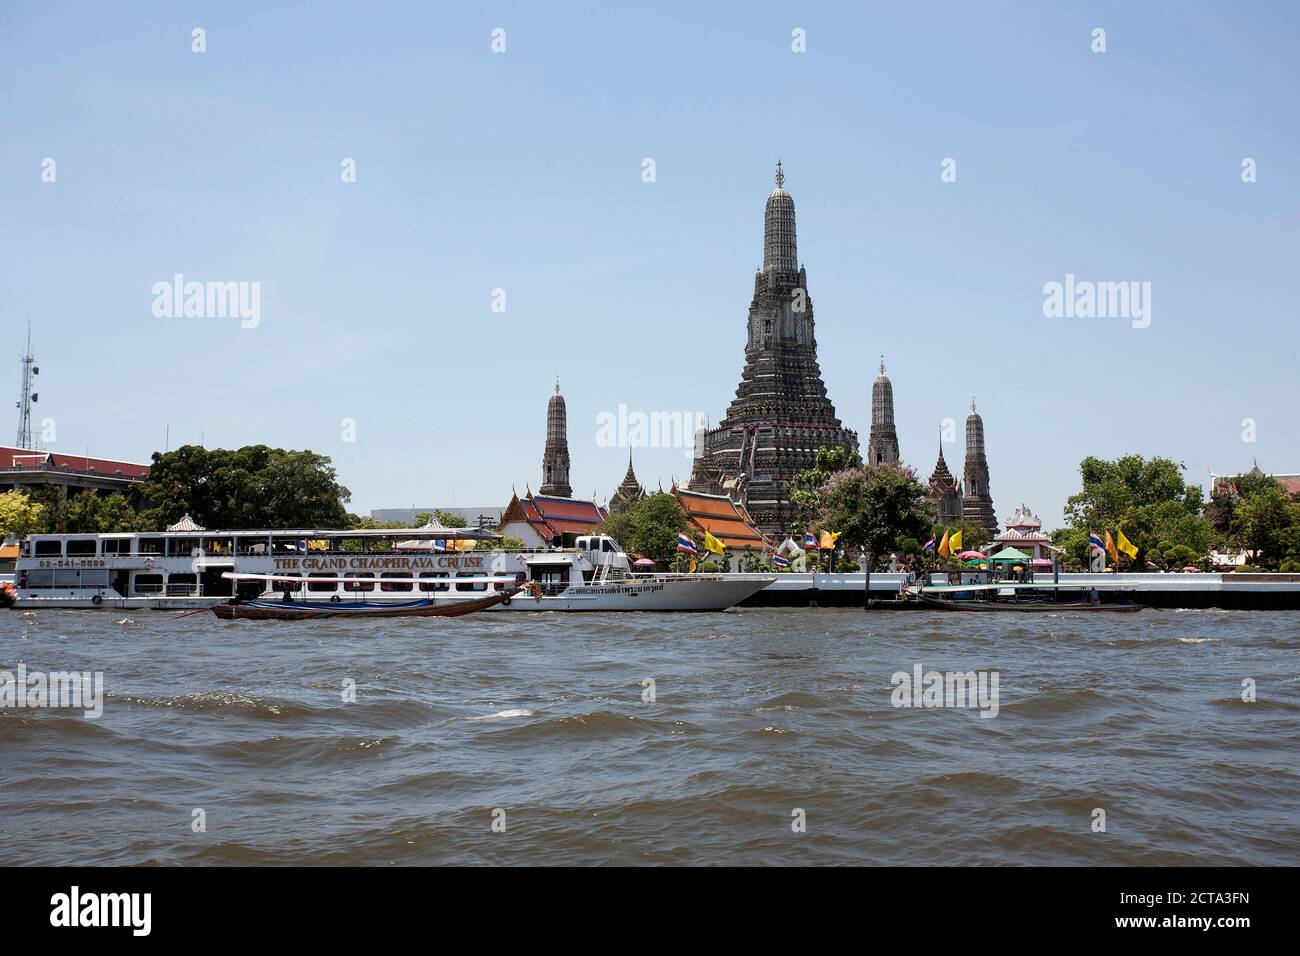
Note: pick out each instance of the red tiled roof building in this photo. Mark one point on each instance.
(26, 469)
(541, 521)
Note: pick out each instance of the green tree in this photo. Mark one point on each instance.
(649, 527)
(89, 513)
(20, 515)
(1148, 498)
(1266, 519)
(251, 487)
(805, 489)
(875, 508)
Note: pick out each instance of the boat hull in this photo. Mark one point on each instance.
(654, 594)
(259, 610)
(1027, 607)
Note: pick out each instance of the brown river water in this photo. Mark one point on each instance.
(772, 738)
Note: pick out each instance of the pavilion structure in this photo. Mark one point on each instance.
(1024, 533)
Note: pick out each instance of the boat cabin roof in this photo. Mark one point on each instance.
(465, 534)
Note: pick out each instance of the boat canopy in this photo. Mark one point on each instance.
(1011, 556)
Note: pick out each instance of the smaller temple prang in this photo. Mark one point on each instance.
(628, 493)
(882, 445)
(977, 501)
(555, 457)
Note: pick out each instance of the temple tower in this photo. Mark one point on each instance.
(945, 491)
(882, 446)
(977, 502)
(781, 414)
(555, 458)
(628, 493)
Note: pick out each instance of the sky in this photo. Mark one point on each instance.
(376, 340)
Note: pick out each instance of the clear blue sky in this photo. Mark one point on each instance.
(522, 171)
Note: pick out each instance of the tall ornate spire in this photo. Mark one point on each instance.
(781, 414)
(882, 446)
(977, 502)
(780, 250)
(555, 458)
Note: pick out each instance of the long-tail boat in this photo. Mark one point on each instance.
(293, 609)
(1018, 596)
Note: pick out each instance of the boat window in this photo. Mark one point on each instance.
(147, 584)
(117, 545)
(94, 579)
(435, 587)
(395, 587)
(81, 547)
(46, 549)
(182, 585)
(40, 579)
(358, 586)
(183, 547)
(151, 546)
(607, 545)
(322, 585)
(463, 585)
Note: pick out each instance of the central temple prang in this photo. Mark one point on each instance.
(781, 414)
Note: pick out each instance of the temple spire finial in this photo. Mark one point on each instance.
(882, 365)
(972, 404)
(557, 385)
(780, 176)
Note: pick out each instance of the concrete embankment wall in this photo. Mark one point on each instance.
(1247, 592)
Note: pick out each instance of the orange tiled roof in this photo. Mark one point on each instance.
(723, 518)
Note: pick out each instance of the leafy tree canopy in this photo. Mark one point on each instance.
(251, 487)
(649, 526)
(1148, 498)
(20, 514)
(876, 508)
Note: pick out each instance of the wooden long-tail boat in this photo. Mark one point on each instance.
(258, 609)
(1042, 607)
(1020, 597)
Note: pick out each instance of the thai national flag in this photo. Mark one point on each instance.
(684, 543)
(810, 542)
(928, 546)
(781, 561)
(1096, 542)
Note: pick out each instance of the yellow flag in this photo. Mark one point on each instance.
(713, 544)
(943, 545)
(1110, 548)
(692, 565)
(828, 539)
(1127, 546)
(954, 543)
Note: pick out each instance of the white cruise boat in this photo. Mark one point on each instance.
(179, 570)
